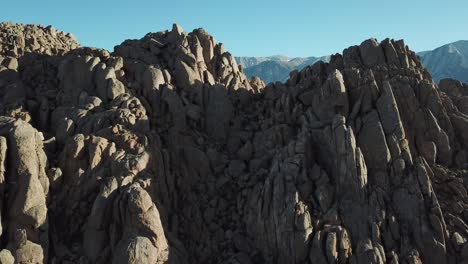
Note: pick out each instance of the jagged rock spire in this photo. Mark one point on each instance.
(163, 152)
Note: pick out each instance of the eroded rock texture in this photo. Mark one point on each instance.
(164, 152)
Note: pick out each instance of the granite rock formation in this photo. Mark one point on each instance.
(447, 61)
(164, 152)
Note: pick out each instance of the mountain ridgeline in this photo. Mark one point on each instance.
(448, 61)
(275, 68)
(163, 151)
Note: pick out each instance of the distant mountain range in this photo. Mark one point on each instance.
(448, 61)
(275, 68)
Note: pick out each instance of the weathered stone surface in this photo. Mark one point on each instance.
(389, 113)
(19, 39)
(137, 250)
(29, 253)
(257, 84)
(429, 151)
(374, 145)
(6, 257)
(371, 53)
(164, 152)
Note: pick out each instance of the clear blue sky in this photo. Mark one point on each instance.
(254, 27)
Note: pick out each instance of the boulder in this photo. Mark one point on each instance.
(6, 257)
(371, 53)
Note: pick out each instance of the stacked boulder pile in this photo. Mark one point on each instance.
(164, 152)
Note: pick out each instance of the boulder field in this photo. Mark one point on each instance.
(162, 151)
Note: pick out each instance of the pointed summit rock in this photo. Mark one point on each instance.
(162, 151)
(176, 28)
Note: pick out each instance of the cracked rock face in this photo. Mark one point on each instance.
(164, 152)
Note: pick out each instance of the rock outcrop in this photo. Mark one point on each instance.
(164, 152)
(447, 61)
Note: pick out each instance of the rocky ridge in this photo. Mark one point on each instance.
(447, 61)
(164, 152)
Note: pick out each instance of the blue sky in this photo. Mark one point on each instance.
(254, 27)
